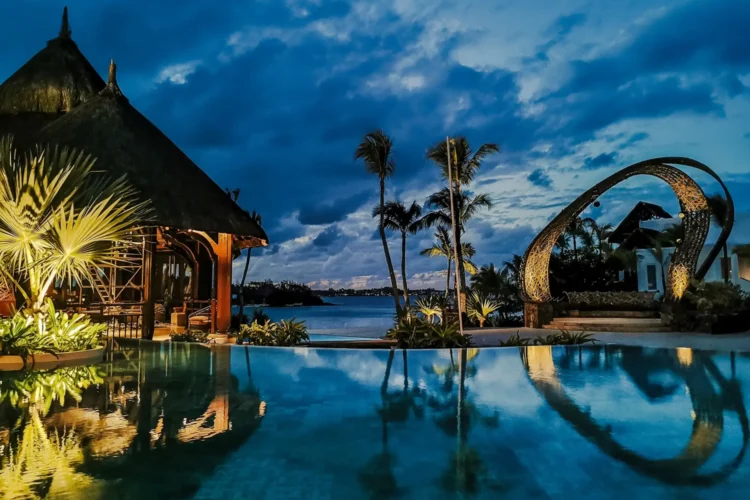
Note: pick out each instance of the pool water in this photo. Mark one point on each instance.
(176, 420)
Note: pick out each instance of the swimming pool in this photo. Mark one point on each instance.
(177, 420)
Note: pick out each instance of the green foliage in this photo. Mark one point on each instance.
(286, 333)
(420, 334)
(431, 307)
(515, 340)
(715, 297)
(565, 338)
(291, 333)
(71, 333)
(479, 308)
(42, 388)
(190, 336)
(19, 336)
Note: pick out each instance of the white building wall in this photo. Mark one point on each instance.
(740, 236)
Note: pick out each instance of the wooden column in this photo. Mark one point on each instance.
(224, 282)
(149, 253)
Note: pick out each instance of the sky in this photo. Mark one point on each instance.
(273, 96)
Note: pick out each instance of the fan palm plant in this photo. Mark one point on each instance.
(444, 248)
(59, 219)
(464, 166)
(397, 217)
(375, 150)
(430, 307)
(480, 308)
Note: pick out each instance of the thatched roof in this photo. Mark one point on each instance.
(57, 79)
(123, 141)
(641, 211)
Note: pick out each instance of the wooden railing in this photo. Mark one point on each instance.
(122, 319)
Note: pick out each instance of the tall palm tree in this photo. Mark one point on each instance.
(444, 248)
(255, 216)
(466, 206)
(719, 212)
(513, 267)
(375, 150)
(397, 217)
(464, 165)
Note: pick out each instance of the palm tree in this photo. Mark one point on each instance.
(375, 151)
(444, 248)
(397, 217)
(59, 220)
(719, 212)
(464, 164)
(513, 267)
(466, 207)
(255, 216)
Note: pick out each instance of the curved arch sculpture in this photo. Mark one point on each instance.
(701, 378)
(534, 271)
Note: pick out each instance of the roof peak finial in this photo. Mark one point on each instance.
(112, 86)
(65, 31)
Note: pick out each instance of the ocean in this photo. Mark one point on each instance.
(368, 317)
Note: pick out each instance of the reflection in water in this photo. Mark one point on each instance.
(148, 424)
(188, 421)
(697, 372)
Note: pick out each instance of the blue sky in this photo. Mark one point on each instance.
(272, 97)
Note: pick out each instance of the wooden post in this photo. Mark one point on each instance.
(224, 282)
(149, 252)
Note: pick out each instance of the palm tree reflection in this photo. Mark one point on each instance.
(711, 395)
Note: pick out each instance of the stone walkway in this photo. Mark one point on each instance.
(488, 337)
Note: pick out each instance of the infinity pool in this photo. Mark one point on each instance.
(187, 421)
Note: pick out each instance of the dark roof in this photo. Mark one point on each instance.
(57, 79)
(123, 141)
(640, 238)
(641, 211)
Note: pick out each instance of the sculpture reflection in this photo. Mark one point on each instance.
(711, 394)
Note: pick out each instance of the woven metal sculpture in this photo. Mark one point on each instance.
(696, 221)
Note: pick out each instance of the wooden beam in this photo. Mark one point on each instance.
(224, 282)
(148, 270)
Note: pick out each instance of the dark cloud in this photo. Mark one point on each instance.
(540, 178)
(732, 85)
(634, 139)
(335, 211)
(600, 161)
(328, 237)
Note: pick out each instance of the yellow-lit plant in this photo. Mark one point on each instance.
(59, 218)
(481, 307)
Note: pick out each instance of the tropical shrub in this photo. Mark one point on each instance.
(190, 336)
(19, 336)
(479, 308)
(291, 332)
(565, 338)
(286, 333)
(431, 307)
(71, 332)
(715, 297)
(421, 334)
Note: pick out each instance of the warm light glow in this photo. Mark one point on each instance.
(685, 356)
(679, 280)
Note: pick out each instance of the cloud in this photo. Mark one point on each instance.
(328, 236)
(540, 178)
(599, 161)
(333, 212)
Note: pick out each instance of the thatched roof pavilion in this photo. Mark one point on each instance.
(58, 98)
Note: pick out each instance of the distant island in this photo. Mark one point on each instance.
(372, 292)
(268, 293)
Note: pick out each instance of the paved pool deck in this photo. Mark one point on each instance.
(488, 337)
